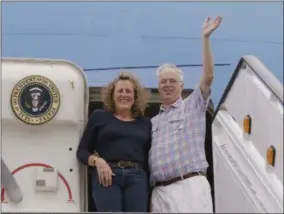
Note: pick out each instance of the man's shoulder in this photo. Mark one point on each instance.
(154, 119)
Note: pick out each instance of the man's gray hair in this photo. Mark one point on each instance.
(167, 66)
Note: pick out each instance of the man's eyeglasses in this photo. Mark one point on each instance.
(169, 81)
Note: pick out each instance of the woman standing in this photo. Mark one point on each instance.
(121, 137)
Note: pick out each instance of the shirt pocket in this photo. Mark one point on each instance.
(176, 125)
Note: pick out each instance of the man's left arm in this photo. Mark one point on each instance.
(208, 65)
(199, 98)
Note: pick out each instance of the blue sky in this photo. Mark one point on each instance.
(114, 34)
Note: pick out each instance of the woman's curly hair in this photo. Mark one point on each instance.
(141, 94)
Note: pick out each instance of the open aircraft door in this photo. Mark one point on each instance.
(248, 142)
(44, 111)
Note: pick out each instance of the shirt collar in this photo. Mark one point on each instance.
(174, 105)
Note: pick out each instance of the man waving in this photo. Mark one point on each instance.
(177, 158)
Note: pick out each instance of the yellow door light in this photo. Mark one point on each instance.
(270, 155)
(247, 124)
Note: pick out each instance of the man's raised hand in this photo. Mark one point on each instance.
(209, 26)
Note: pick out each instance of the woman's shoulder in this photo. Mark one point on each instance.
(146, 120)
(100, 114)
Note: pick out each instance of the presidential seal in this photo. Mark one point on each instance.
(35, 100)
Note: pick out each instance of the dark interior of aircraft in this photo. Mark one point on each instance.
(151, 111)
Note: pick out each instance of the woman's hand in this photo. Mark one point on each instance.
(104, 172)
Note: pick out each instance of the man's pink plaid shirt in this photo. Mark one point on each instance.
(178, 137)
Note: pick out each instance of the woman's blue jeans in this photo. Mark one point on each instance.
(129, 191)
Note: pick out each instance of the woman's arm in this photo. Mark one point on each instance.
(86, 144)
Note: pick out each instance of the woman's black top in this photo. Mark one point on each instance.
(114, 139)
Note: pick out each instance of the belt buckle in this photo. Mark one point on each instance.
(122, 164)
